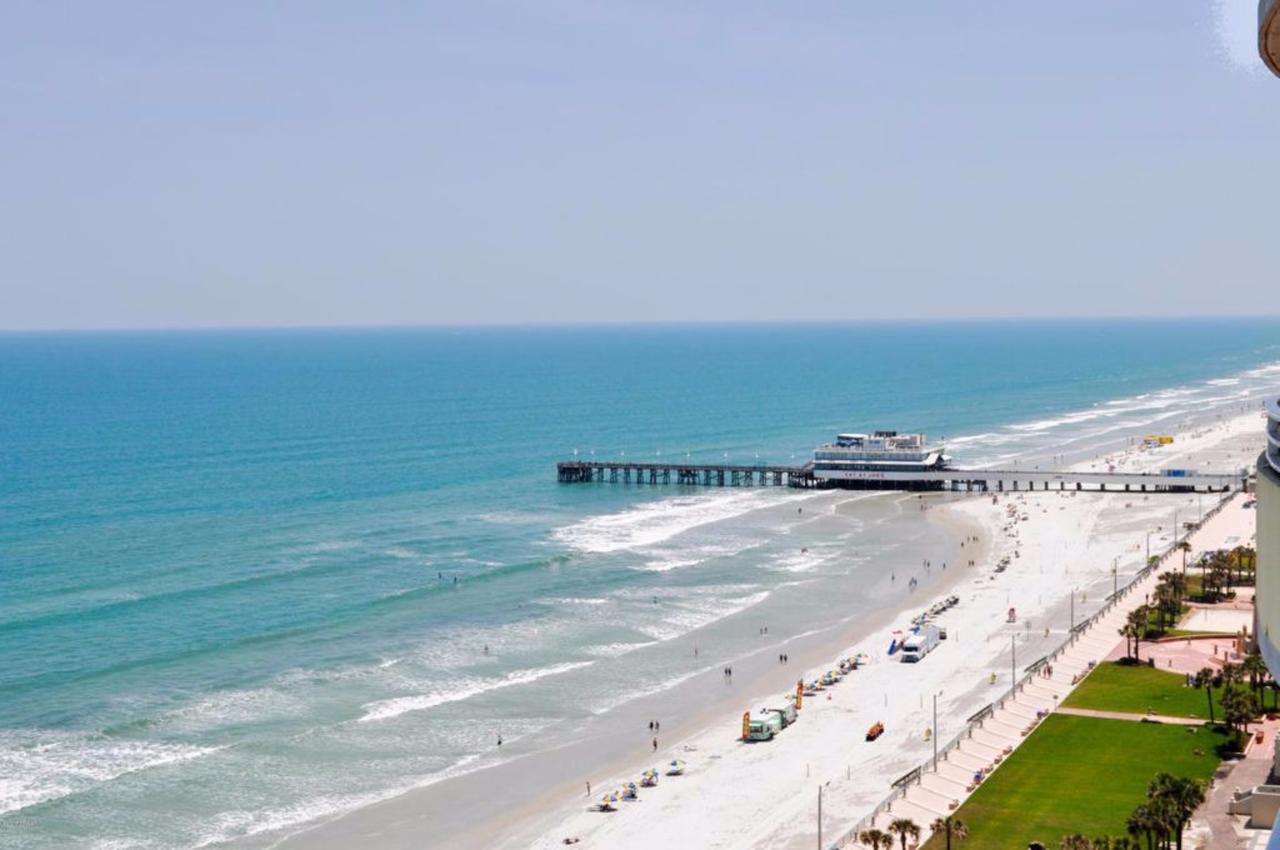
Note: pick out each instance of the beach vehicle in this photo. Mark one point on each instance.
(676, 768)
(787, 714)
(765, 727)
(876, 730)
(920, 644)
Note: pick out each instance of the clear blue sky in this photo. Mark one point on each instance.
(302, 163)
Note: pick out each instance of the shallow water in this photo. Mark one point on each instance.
(228, 559)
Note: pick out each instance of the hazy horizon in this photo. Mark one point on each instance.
(495, 164)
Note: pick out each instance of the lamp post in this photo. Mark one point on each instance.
(1013, 661)
(935, 733)
(819, 817)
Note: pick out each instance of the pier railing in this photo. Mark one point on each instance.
(979, 718)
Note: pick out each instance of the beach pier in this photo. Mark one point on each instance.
(955, 480)
(691, 475)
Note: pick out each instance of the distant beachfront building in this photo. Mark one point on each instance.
(1269, 34)
(1268, 581)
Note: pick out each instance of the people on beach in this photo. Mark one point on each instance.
(499, 740)
(655, 745)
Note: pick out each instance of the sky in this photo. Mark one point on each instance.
(330, 163)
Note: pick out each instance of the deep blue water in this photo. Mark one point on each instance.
(234, 553)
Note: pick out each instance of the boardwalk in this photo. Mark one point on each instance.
(1000, 729)
(968, 480)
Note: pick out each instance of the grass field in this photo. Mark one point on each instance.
(1079, 774)
(1137, 689)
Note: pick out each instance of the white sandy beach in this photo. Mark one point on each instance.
(738, 795)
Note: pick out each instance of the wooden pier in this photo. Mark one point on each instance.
(697, 474)
(965, 480)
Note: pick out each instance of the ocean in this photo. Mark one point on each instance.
(252, 579)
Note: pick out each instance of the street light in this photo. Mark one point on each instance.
(1013, 663)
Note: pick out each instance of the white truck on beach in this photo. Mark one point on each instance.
(921, 643)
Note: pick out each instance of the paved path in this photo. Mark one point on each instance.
(1017, 716)
(1140, 718)
(1227, 832)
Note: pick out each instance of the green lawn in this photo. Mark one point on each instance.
(1137, 688)
(1079, 774)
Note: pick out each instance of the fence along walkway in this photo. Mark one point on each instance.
(996, 731)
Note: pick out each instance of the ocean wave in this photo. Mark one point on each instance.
(617, 699)
(245, 823)
(462, 689)
(658, 521)
(37, 766)
(613, 650)
(689, 615)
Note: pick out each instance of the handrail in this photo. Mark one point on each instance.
(975, 721)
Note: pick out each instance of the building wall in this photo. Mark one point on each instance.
(1268, 591)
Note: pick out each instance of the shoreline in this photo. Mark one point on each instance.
(557, 811)
(415, 813)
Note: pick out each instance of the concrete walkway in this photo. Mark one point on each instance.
(1226, 831)
(1140, 718)
(1016, 717)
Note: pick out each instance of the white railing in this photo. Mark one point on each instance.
(1113, 600)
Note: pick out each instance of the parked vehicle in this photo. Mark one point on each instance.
(786, 713)
(921, 643)
(765, 727)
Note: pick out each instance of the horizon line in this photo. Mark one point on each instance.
(605, 323)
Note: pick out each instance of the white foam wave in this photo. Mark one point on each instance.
(618, 699)
(37, 766)
(613, 650)
(692, 614)
(655, 522)
(462, 690)
(244, 823)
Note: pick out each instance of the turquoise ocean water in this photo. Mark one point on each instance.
(247, 579)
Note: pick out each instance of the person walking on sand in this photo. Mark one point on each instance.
(655, 745)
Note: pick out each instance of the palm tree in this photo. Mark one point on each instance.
(1102, 842)
(1138, 620)
(1123, 842)
(1257, 670)
(1141, 822)
(904, 828)
(1238, 708)
(875, 838)
(1126, 632)
(1204, 678)
(950, 826)
(1185, 548)
(1182, 797)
